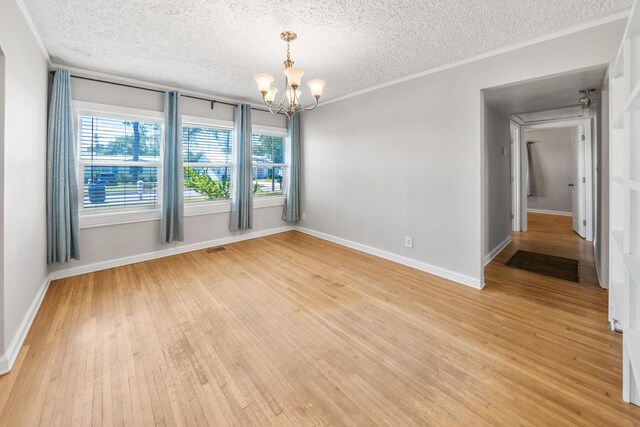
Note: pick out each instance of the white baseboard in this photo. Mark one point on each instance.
(419, 265)
(548, 212)
(103, 265)
(10, 356)
(491, 255)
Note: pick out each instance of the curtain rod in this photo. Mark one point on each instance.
(212, 101)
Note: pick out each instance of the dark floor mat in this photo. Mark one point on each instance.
(549, 265)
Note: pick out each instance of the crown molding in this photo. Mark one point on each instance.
(494, 52)
(34, 31)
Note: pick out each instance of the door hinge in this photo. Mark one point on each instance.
(584, 179)
(511, 216)
(584, 222)
(582, 137)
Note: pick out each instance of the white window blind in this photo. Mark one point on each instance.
(207, 163)
(119, 163)
(269, 167)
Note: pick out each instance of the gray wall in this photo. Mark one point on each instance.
(552, 169)
(406, 160)
(24, 168)
(107, 243)
(601, 236)
(497, 179)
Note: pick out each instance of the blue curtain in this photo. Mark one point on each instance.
(62, 181)
(241, 182)
(291, 211)
(172, 204)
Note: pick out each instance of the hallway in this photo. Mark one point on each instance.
(552, 235)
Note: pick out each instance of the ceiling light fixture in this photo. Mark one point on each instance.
(292, 83)
(585, 101)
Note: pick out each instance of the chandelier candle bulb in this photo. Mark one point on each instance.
(271, 95)
(316, 87)
(264, 82)
(294, 75)
(290, 100)
(296, 98)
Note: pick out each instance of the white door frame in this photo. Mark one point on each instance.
(516, 175)
(588, 179)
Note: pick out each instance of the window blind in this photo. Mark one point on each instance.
(119, 163)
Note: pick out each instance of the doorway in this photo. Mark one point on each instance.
(513, 115)
(554, 164)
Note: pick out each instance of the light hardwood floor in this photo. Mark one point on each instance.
(293, 330)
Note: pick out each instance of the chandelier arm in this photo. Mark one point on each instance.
(280, 108)
(273, 110)
(300, 106)
(310, 108)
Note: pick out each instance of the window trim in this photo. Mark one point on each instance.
(111, 216)
(211, 208)
(270, 131)
(129, 216)
(207, 206)
(193, 121)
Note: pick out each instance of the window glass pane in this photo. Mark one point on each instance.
(207, 158)
(118, 187)
(206, 183)
(206, 145)
(267, 148)
(267, 181)
(107, 139)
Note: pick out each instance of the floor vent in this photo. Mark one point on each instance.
(215, 250)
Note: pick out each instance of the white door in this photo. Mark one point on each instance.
(578, 196)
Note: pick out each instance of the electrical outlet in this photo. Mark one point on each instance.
(304, 215)
(408, 242)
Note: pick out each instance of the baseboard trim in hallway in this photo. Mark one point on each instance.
(494, 253)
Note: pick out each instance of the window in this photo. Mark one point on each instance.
(119, 163)
(207, 163)
(268, 164)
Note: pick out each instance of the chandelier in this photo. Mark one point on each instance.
(292, 92)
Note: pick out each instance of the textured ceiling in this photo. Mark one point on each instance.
(217, 46)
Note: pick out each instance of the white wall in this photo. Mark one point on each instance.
(406, 160)
(2, 90)
(497, 180)
(101, 245)
(26, 78)
(552, 169)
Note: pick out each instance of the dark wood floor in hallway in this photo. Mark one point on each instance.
(293, 330)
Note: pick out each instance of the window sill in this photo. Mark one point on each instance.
(225, 206)
(267, 201)
(118, 218)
